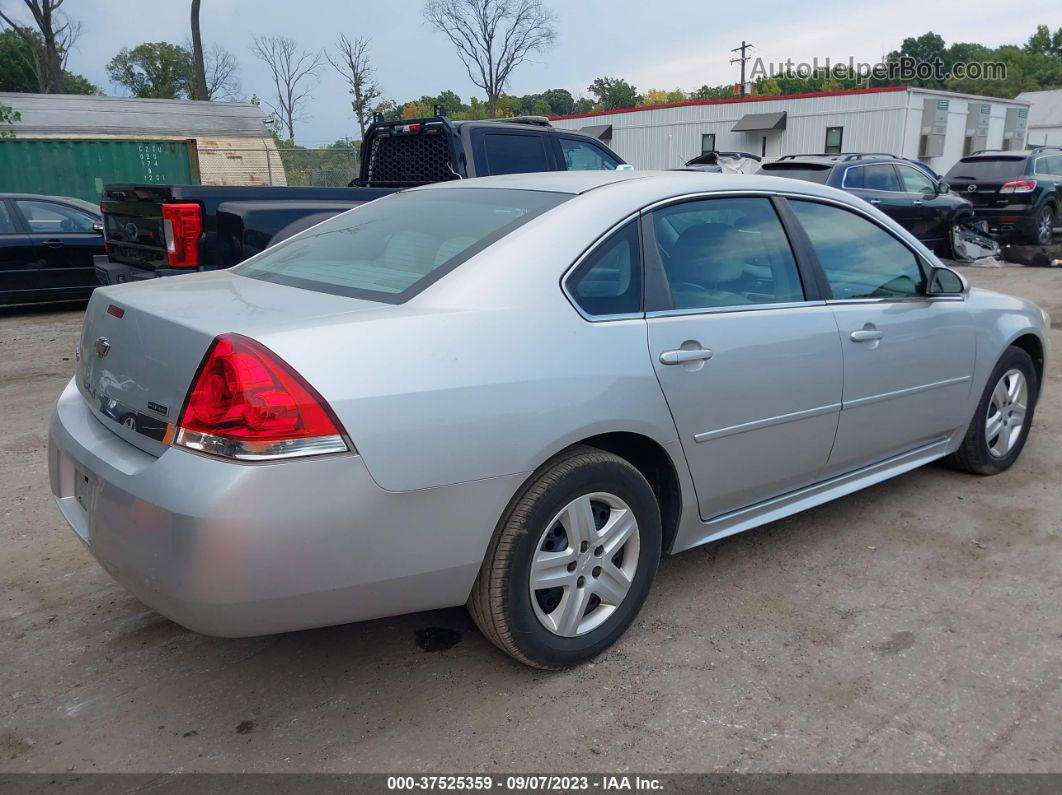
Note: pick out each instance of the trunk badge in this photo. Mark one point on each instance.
(102, 347)
(971, 188)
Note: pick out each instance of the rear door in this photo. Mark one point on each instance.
(67, 239)
(908, 357)
(521, 150)
(750, 363)
(19, 261)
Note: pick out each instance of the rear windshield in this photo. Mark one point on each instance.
(804, 171)
(392, 248)
(988, 168)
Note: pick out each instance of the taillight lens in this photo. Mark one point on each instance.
(1019, 186)
(182, 224)
(249, 404)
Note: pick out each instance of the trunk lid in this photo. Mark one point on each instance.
(979, 179)
(141, 344)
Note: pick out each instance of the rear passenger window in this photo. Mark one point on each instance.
(860, 259)
(877, 177)
(513, 153)
(725, 253)
(609, 281)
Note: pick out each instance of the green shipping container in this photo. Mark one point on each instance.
(82, 167)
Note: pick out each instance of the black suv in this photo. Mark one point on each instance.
(1019, 193)
(907, 191)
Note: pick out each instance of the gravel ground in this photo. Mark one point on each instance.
(914, 626)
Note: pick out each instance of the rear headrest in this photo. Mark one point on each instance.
(707, 254)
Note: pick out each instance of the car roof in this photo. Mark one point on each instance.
(648, 185)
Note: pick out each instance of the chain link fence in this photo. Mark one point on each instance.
(269, 165)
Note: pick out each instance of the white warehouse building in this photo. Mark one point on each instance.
(1045, 116)
(936, 127)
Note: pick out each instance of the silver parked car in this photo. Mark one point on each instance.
(516, 393)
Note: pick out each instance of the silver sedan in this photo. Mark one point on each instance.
(516, 393)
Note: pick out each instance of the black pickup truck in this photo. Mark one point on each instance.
(164, 230)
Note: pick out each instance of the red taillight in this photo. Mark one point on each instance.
(181, 225)
(1019, 186)
(248, 403)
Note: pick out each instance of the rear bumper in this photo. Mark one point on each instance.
(110, 272)
(248, 549)
(1007, 222)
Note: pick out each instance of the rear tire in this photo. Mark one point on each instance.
(1043, 233)
(1004, 415)
(598, 571)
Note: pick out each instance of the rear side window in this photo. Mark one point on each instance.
(804, 171)
(877, 177)
(988, 168)
(52, 218)
(7, 224)
(726, 253)
(609, 281)
(392, 248)
(859, 258)
(513, 153)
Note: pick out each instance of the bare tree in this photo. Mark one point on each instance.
(58, 35)
(352, 61)
(292, 70)
(493, 37)
(221, 80)
(199, 79)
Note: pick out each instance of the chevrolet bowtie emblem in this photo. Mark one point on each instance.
(102, 346)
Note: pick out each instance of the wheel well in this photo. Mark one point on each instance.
(656, 466)
(1031, 344)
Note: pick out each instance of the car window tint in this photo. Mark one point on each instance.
(7, 223)
(808, 172)
(609, 281)
(584, 156)
(860, 259)
(727, 252)
(881, 176)
(392, 248)
(52, 218)
(512, 153)
(915, 181)
(1001, 167)
(855, 177)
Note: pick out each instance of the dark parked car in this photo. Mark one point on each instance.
(905, 190)
(167, 230)
(46, 248)
(1018, 193)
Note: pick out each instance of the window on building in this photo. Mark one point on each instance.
(707, 142)
(834, 136)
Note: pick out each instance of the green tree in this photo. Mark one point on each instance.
(21, 72)
(707, 92)
(8, 115)
(560, 100)
(614, 93)
(153, 69)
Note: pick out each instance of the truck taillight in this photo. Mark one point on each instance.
(182, 224)
(249, 404)
(1019, 186)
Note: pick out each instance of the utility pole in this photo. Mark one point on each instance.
(742, 60)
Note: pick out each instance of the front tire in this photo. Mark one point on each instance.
(1001, 424)
(571, 562)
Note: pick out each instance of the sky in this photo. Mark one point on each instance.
(663, 44)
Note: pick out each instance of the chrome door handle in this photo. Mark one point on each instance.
(917, 202)
(865, 335)
(875, 201)
(683, 356)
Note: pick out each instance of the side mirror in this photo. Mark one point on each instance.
(624, 167)
(943, 187)
(97, 228)
(945, 281)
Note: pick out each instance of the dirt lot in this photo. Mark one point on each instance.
(915, 626)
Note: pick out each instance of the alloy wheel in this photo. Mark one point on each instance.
(584, 564)
(1045, 229)
(1006, 414)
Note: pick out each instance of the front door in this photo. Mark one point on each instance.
(930, 211)
(750, 367)
(908, 358)
(66, 241)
